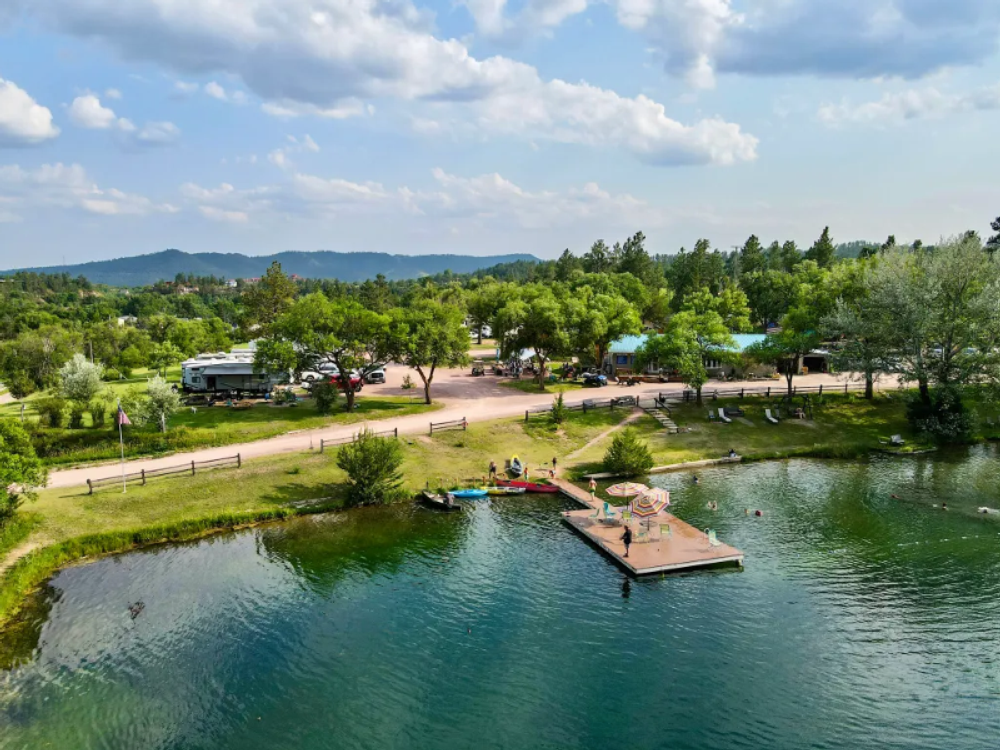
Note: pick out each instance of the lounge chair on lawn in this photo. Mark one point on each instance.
(897, 440)
(711, 415)
(770, 417)
(723, 417)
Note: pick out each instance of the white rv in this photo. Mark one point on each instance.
(227, 372)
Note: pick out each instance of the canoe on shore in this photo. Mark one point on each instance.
(516, 467)
(528, 486)
(440, 502)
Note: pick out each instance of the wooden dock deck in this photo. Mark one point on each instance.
(686, 547)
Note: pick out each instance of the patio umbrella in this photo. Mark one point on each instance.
(650, 503)
(626, 489)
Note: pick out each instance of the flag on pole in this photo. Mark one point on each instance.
(122, 419)
(122, 416)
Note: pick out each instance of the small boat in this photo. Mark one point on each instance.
(504, 490)
(440, 502)
(516, 467)
(471, 494)
(528, 486)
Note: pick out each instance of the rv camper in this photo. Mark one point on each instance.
(226, 373)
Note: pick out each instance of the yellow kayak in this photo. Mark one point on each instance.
(504, 490)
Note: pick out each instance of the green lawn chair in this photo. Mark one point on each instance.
(713, 540)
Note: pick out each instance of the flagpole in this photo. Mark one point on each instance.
(121, 442)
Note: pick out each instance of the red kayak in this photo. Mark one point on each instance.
(528, 486)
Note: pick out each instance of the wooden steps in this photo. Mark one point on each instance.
(664, 420)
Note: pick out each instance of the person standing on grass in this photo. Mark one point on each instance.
(493, 471)
(627, 538)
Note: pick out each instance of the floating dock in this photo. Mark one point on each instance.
(686, 548)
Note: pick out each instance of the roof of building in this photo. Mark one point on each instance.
(630, 344)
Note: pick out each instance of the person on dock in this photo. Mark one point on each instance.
(593, 487)
(493, 471)
(555, 466)
(627, 538)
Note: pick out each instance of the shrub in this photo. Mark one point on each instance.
(76, 412)
(163, 401)
(407, 382)
(945, 419)
(558, 409)
(325, 396)
(628, 455)
(81, 380)
(372, 465)
(21, 472)
(52, 410)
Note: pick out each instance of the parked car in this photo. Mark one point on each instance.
(375, 376)
(595, 379)
(322, 372)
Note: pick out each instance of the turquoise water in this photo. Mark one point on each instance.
(859, 622)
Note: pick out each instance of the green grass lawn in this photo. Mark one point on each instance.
(212, 426)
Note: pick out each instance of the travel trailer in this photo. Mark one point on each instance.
(231, 372)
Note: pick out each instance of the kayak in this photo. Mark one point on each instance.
(516, 467)
(504, 490)
(468, 494)
(528, 486)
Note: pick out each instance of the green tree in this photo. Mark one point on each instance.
(865, 334)
(597, 320)
(372, 465)
(483, 304)
(790, 256)
(265, 301)
(769, 295)
(341, 332)
(628, 456)
(31, 361)
(534, 319)
(823, 250)
(164, 356)
(786, 349)
(994, 242)
(325, 396)
(567, 265)
(162, 401)
(435, 338)
(752, 258)
(21, 471)
(80, 380)
(691, 337)
(599, 259)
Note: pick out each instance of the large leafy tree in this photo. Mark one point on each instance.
(785, 350)
(691, 337)
(597, 320)
(769, 295)
(80, 379)
(536, 318)
(21, 471)
(994, 242)
(435, 338)
(341, 332)
(751, 257)
(483, 304)
(864, 327)
(31, 361)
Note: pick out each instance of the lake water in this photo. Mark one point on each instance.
(859, 622)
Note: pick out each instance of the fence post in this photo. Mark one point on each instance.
(465, 424)
(395, 432)
(143, 471)
(769, 391)
(90, 488)
(239, 461)
(845, 389)
(743, 392)
(820, 390)
(584, 407)
(192, 468)
(432, 428)
(526, 416)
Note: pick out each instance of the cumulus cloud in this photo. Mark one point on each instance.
(88, 112)
(23, 122)
(913, 104)
(534, 18)
(216, 91)
(280, 156)
(112, 94)
(68, 186)
(322, 53)
(836, 38)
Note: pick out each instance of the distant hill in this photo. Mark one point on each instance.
(142, 270)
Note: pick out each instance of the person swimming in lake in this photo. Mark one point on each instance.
(732, 453)
(695, 480)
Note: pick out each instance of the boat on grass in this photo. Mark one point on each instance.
(438, 501)
(516, 467)
(528, 486)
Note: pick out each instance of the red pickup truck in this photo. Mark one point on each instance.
(355, 381)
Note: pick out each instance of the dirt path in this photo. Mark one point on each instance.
(631, 418)
(18, 552)
(476, 399)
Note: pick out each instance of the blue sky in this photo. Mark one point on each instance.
(486, 126)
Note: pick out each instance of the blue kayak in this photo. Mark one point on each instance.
(468, 494)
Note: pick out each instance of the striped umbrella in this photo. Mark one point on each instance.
(650, 503)
(626, 489)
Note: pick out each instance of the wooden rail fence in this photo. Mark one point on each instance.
(771, 391)
(323, 442)
(145, 474)
(455, 424)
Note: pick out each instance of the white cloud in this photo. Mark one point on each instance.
(23, 122)
(157, 134)
(287, 110)
(218, 214)
(534, 18)
(319, 56)
(279, 157)
(912, 104)
(69, 187)
(87, 112)
(112, 94)
(216, 91)
(185, 88)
